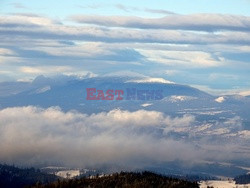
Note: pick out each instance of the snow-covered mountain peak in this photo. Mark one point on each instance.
(151, 80)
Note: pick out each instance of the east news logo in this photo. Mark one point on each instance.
(119, 94)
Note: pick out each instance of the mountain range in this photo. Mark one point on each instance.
(214, 119)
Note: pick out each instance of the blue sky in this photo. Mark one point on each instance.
(64, 8)
(203, 43)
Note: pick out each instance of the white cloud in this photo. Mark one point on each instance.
(31, 135)
(200, 22)
(36, 136)
(45, 28)
(87, 50)
(8, 56)
(244, 134)
(5, 51)
(42, 70)
(27, 20)
(181, 58)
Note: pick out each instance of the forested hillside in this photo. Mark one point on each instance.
(13, 177)
(123, 179)
(243, 179)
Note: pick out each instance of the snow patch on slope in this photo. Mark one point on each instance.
(222, 184)
(220, 99)
(43, 89)
(152, 80)
(68, 173)
(146, 104)
(179, 98)
(125, 74)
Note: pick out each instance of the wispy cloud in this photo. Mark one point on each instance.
(126, 8)
(19, 6)
(44, 28)
(159, 11)
(196, 22)
(91, 6)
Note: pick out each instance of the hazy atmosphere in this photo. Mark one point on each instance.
(126, 85)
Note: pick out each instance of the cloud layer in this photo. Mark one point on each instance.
(35, 136)
(170, 29)
(186, 44)
(195, 22)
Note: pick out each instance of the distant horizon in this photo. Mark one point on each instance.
(215, 92)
